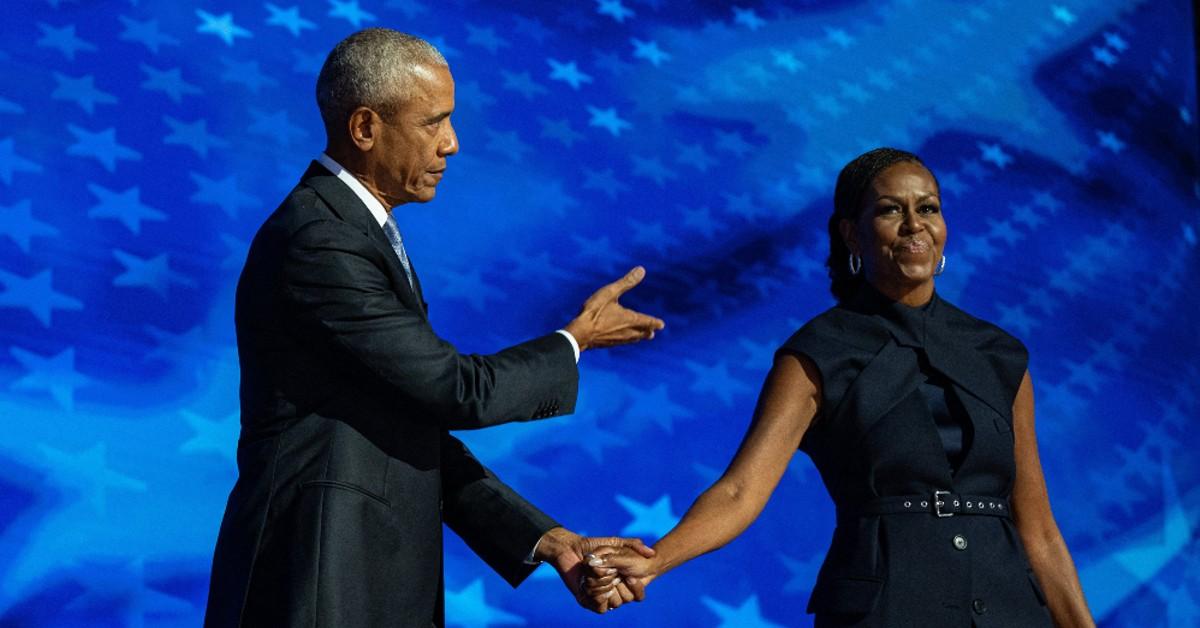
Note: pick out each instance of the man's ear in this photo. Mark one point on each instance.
(364, 126)
(846, 228)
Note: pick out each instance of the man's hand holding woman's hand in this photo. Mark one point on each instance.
(567, 552)
(610, 568)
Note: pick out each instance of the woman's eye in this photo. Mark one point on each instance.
(889, 209)
(930, 209)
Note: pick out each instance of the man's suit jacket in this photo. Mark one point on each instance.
(346, 466)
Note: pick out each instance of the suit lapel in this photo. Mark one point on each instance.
(347, 206)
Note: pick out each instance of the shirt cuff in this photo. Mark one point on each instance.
(575, 346)
(530, 560)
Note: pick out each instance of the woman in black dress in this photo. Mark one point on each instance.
(919, 418)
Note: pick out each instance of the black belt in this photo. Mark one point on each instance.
(937, 503)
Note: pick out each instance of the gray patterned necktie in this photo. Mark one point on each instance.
(393, 235)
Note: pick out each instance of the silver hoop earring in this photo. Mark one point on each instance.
(941, 266)
(855, 264)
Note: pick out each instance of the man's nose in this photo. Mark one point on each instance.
(449, 144)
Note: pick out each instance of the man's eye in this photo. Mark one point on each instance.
(930, 209)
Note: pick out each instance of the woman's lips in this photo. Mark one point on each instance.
(914, 247)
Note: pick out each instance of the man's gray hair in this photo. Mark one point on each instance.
(373, 68)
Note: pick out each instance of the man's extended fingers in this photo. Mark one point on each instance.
(631, 279)
(645, 321)
(614, 290)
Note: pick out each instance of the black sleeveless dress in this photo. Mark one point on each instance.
(914, 444)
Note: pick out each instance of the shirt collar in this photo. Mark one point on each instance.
(378, 211)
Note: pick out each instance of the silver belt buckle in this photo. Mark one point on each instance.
(938, 502)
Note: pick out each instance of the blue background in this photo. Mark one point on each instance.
(143, 142)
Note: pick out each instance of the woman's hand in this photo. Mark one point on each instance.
(625, 562)
(611, 568)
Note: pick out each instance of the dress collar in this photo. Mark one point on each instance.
(908, 325)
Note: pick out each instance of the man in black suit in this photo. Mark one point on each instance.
(347, 468)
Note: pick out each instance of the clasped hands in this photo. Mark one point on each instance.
(601, 572)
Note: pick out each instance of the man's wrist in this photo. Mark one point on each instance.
(574, 343)
(552, 544)
(578, 331)
(538, 554)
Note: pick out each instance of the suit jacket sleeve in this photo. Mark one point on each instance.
(497, 523)
(335, 283)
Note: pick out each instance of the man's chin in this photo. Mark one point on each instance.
(425, 192)
(424, 195)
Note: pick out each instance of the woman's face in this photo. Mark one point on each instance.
(900, 233)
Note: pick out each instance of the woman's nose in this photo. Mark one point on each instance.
(913, 221)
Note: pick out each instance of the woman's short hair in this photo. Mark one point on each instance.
(852, 184)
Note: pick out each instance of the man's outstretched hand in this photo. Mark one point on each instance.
(603, 322)
(566, 551)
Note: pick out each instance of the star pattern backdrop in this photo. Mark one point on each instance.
(142, 142)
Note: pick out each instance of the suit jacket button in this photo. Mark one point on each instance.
(979, 607)
(960, 542)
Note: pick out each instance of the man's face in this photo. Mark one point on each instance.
(414, 143)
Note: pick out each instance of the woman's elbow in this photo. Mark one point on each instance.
(742, 503)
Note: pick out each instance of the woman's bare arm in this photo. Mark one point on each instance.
(1039, 532)
(786, 406)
